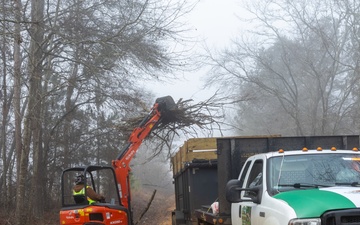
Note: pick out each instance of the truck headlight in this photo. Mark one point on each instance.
(312, 221)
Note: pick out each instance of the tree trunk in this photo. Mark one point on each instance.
(36, 199)
(32, 128)
(17, 96)
(3, 153)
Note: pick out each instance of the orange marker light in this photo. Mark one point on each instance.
(333, 149)
(355, 149)
(305, 149)
(221, 221)
(281, 150)
(319, 149)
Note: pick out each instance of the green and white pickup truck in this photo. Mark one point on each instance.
(268, 180)
(302, 187)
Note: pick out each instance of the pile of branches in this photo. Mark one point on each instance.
(183, 117)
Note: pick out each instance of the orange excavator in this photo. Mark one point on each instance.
(112, 181)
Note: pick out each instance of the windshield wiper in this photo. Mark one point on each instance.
(353, 184)
(304, 185)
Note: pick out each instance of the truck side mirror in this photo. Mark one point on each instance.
(255, 193)
(234, 189)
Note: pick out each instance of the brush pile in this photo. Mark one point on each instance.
(180, 116)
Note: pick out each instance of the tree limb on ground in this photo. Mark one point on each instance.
(147, 207)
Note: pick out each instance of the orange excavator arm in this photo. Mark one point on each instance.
(162, 108)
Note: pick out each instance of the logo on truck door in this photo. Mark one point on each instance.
(246, 215)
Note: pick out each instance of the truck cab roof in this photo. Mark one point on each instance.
(309, 151)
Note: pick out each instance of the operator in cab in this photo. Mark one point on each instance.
(79, 192)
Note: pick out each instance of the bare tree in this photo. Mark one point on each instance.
(297, 69)
(17, 83)
(7, 91)
(32, 123)
(78, 68)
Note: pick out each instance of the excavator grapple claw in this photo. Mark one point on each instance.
(166, 104)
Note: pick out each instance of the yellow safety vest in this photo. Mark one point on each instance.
(82, 192)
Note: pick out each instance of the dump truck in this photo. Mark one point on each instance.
(267, 180)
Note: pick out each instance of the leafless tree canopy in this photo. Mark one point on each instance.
(70, 70)
(297, 66)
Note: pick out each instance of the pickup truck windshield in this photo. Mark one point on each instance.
(290, 172)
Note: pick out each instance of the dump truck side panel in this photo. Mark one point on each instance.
(195, 178)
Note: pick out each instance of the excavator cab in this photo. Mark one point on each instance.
(100, 178)
(76, 208)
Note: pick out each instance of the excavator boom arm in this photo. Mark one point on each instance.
(141, 132)
(162, 107)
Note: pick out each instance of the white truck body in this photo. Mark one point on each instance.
(295, 186)
(299, 188)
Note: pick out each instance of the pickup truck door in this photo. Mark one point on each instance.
(248, 212)
(235, 207)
